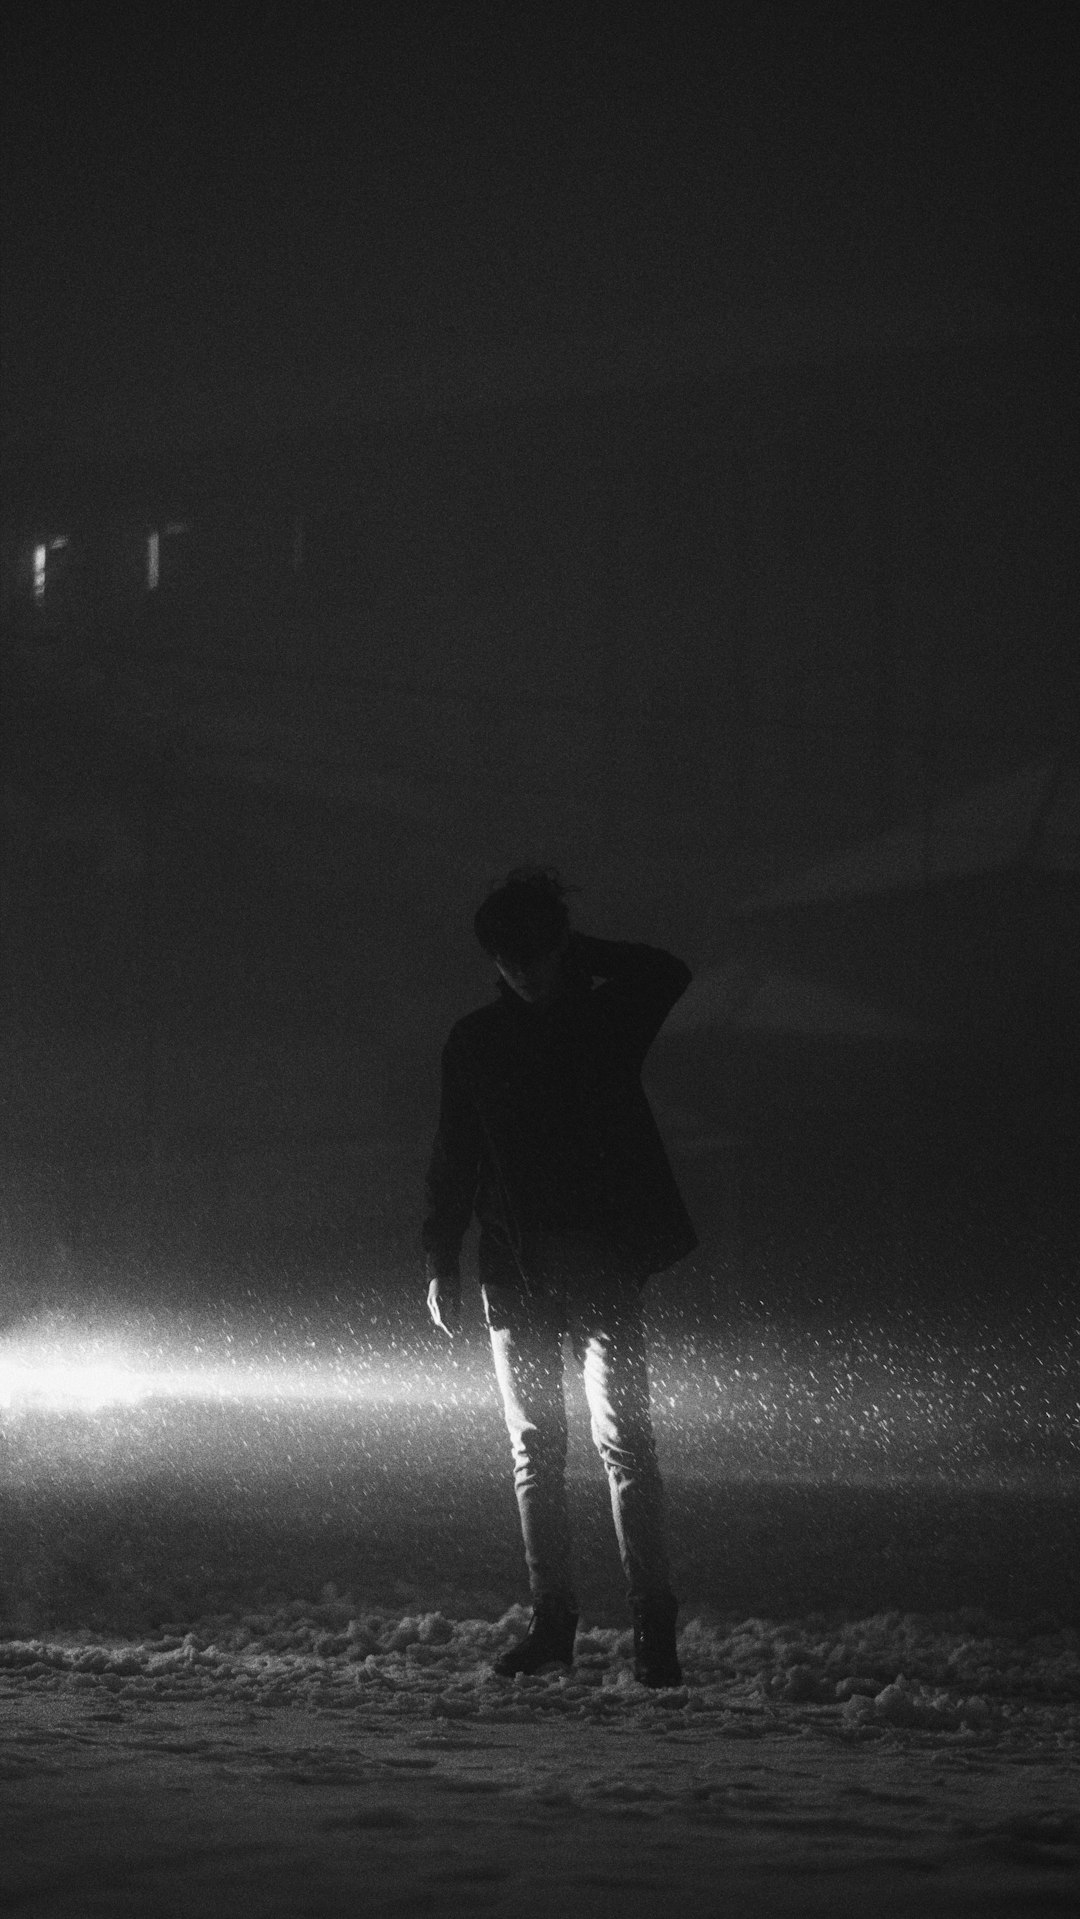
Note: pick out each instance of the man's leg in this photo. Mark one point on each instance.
(526, 1343)
(610, 1341)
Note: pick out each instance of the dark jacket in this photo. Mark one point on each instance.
(544, 1125)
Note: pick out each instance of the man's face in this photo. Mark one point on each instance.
(540, 980)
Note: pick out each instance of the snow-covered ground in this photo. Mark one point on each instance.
(250, 1604)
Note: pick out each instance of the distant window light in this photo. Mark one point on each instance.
(156, 549)
(41, 561)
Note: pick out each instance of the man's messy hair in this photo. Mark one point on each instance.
(525, 917)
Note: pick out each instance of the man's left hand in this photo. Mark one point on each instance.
(444, 1305)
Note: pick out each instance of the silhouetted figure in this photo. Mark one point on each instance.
(545, 1135)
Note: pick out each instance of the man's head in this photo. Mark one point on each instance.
(525, 927)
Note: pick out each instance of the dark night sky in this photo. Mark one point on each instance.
(207, 218)
(189, 204)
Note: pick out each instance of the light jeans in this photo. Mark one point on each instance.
(602, 1315)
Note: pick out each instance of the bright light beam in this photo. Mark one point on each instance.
(55, 1380)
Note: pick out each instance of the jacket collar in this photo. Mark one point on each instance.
(577, 986)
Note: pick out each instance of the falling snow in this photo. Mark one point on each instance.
(254, 1583)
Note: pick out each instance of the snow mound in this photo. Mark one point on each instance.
(959, 1677)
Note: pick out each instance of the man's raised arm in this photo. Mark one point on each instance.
(641, 983)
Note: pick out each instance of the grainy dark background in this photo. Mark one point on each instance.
(645, 445)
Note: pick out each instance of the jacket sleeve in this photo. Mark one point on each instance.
(640, 984)
(453, 1169)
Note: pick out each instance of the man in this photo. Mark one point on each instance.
(546, 1136)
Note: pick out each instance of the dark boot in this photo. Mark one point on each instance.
(550, 1638)
(656, 1662)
